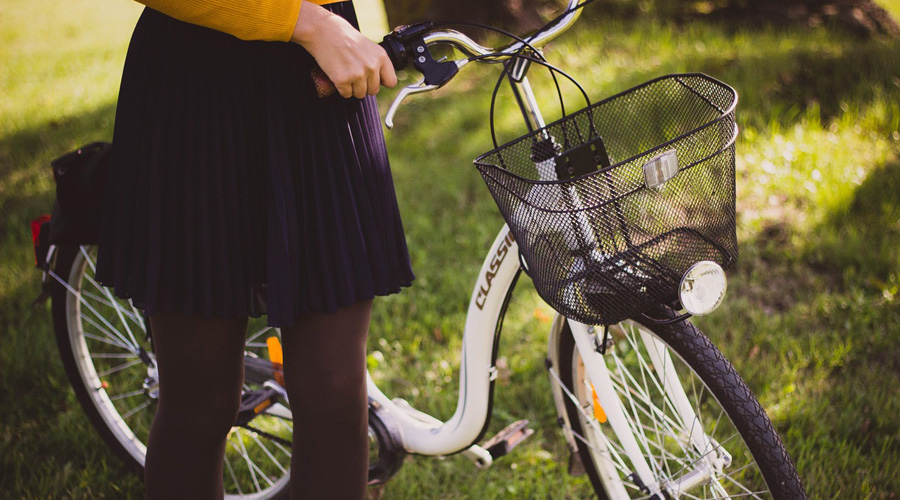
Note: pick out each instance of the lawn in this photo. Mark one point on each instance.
(892, 6)
(812, 318)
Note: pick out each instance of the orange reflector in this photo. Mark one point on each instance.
(104, 385)
(276, 356)
(275, 353)
(262, 406)
(599, 414)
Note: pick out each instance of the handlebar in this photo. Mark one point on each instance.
(437, 74)
(411, 43)
(472, 49)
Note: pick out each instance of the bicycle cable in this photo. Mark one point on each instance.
(505, 74)
(520, 54)
(517, 38)
(265, 434)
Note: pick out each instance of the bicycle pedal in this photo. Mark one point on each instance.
(253, 403)
(508, 438)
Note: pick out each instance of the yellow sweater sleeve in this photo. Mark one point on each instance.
(270, 20)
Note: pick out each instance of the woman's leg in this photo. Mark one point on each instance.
(201, 370)
(325, 376)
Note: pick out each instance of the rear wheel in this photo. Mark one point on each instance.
(109, 360)
(699, 428)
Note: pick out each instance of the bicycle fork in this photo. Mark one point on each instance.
(610, 410)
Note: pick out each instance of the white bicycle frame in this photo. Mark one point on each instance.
(426, 435)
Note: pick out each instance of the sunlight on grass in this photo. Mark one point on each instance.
(60, 59)
(892, 6)
(799, 175)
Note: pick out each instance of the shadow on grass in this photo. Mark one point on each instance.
(861, 241)
(779, 75)
(30, 364)
(31, 376)
(48, 139)
(25, 175)
(835, 338)
(800, 78)
(779, 84)
(47, 447)
(860, 244)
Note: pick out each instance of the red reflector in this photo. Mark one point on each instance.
(36, 233)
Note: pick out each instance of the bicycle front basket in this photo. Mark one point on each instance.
(611, 205)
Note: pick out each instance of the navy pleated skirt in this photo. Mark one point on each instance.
(231, 182)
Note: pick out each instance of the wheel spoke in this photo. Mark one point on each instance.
(106, 302)
(656, 422)
(268, 453)
(230, 469)
(90, 307)
(617, 462)
(113, 337)
(671, 413)
(655, 414)
(746, 490)
(111, 355)
(251, 339)
(108, 293)
(126, 395)
(107, 340)
(616, 459)
(704, 455)
(118, 368)
(282, 448)
(136, 409)
(251, 465)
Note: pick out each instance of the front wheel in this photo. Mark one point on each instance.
(695, 423)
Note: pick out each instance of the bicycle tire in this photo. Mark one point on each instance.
(108, 359)
(759, 464)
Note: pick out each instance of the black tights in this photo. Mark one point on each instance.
(201, 371)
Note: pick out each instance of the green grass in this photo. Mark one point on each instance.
(892, 6)
(812, 319)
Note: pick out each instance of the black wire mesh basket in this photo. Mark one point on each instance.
(612, 204)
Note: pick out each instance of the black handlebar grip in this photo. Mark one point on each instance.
(396, 50)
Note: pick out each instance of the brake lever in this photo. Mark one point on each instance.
(403, 94)
(417, 88)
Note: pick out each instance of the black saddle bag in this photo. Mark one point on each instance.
(81, 177)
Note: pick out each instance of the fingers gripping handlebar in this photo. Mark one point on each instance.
(404, 44)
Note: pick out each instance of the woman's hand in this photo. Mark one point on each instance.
(357, 66)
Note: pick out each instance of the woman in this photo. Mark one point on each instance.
(233, 182)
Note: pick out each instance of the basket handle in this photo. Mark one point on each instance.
(520, 62)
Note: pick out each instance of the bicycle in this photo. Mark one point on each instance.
(647, 404)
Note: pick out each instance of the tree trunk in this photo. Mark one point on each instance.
(519, 16)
